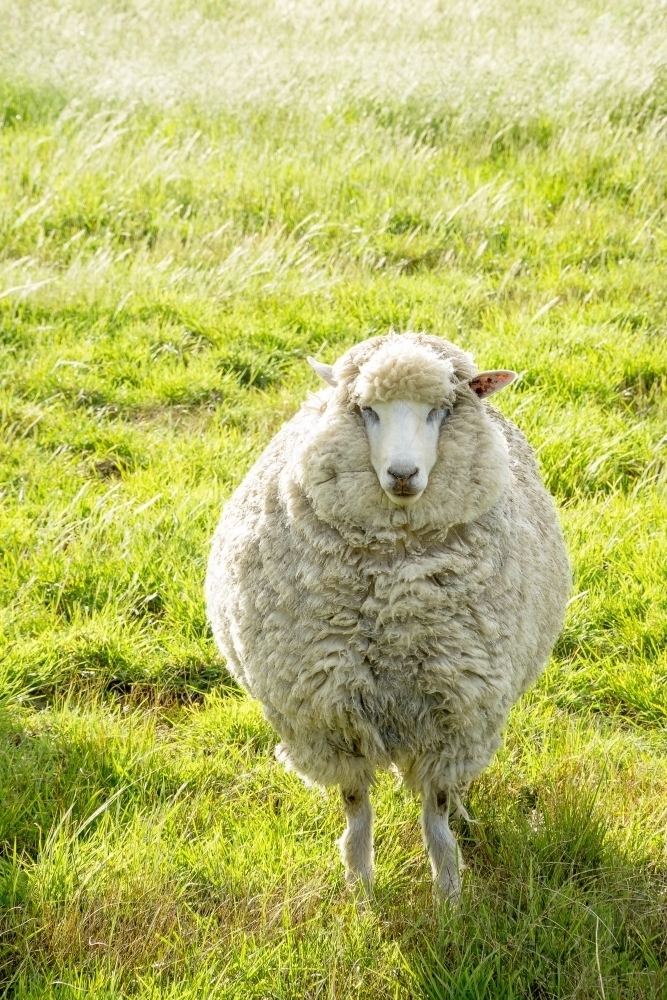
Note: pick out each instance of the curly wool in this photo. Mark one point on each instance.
(374, 634)
(402, 369)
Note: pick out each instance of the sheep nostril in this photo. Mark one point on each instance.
(402, 473)
(403, 480)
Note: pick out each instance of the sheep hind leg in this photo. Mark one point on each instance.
(440, 843)
(356, 843)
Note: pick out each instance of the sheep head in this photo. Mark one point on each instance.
(404, 393)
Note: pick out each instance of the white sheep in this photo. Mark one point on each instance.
(388, 579)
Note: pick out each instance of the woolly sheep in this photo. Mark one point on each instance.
(388, 579)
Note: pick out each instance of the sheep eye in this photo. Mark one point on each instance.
(438, 415)
(369, 415)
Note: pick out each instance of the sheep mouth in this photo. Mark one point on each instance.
(403, 496)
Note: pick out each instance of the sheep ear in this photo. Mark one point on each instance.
(324, 371)
(486, 383)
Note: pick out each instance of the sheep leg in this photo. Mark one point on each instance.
(440, 843)
(356, 844)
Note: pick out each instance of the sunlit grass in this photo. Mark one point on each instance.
(193, 197)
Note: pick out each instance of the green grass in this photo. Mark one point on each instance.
(194, 196)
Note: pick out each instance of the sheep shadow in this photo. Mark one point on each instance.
(552, 906)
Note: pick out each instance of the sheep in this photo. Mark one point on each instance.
(387, 580)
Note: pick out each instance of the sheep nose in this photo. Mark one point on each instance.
(402, 476)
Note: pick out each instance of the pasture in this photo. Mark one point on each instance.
(195, 195)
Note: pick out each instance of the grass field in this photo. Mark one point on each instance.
(194, 195)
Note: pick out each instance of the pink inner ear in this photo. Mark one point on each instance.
(488, 382)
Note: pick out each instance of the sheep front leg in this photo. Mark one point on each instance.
(440, 842)
(356, 844)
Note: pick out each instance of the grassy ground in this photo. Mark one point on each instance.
(193, 196)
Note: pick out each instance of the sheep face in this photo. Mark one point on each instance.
(403, 438)
(400, 439)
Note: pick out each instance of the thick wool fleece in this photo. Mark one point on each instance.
(403, 369)
(375, 634)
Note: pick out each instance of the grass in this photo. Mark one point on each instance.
(193, 197)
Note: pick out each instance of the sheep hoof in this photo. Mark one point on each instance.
(448, 886)
(359, 876)
(361, 884)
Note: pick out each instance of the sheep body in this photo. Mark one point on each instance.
(373, 634)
